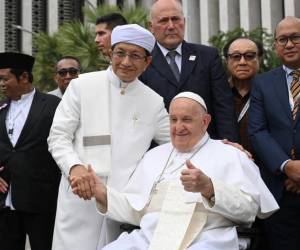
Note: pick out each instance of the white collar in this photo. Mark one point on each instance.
(116, 81)
(165, 51)
(24, 98)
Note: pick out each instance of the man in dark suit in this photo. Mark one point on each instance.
(29, 176)
(196, 68)
(274, 130)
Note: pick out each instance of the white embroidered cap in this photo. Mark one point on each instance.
(133, 34)
(192, 96)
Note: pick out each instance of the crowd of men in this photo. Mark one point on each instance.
(75, 163)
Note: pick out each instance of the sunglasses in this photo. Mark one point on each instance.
(248, 56)
(72, 72)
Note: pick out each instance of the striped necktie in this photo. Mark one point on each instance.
(295, 90)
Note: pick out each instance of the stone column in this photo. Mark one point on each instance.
(250, 14)
(52, 16)
(229, 14)
(2, 25)
(271, 14)
(26, 43)
(209, 19)
(192, 20)
(292, 8)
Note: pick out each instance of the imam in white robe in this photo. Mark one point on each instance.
(136, 117)
(240, 196)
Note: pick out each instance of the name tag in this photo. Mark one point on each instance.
(96, 140)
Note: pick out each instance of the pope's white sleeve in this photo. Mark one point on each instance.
(119, 209)
(232, 203)
(65, 123)
(162, 129)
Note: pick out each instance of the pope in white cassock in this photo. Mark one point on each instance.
(106, 119)
(188, 194)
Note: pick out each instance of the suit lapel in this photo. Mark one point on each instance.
(189, 60)
(3, 113)
(280, 86)
(36, 108)
(162, 66)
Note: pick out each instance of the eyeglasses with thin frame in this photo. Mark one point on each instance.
(64, 71)
(283, 40)
(248, 56)
(133, 57)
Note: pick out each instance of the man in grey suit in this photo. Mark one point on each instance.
(180, 66)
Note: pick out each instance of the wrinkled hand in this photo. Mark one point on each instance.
(194, 180)
(3, 183)
(292, 186)
(238, 146)
(292, 170)
(80, 182)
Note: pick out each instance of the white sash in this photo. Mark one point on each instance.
(95, 113)
(174, 230)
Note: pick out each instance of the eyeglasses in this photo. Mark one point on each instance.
(133, 56)
(283, 40)
(248, 56)
(72, 72)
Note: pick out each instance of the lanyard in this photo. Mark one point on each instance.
(244, 110)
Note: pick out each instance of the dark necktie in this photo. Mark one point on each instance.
(295, 90)
(171, 54)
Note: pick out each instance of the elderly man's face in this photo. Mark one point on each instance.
(243, 61)
(66, 70)
(103, 39)
(167, 24)
(289, 53)
(129, 61)
(188, 122)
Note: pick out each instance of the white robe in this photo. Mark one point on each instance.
(240, 195)
(137, 117)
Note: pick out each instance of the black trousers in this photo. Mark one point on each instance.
(14, 225)
(283, 228)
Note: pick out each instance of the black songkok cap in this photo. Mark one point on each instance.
(16, 61)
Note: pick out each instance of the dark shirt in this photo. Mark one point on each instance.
(240, 102)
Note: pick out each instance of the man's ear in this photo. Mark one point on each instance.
(149, 26)
(24, 77)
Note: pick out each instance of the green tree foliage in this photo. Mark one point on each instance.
(75, 39)
(270, 59)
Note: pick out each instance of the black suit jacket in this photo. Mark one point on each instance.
(29, 167)
(202, 73)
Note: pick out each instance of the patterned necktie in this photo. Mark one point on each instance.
(295, 90)
(171, 54)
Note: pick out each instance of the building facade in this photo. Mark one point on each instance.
(21, 19)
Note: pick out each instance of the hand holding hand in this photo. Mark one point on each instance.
(194, 180)
(80, 182)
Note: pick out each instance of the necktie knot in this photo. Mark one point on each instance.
(172, 54)
(295, 74)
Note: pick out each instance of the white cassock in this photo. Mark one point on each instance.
(240, 196)
(136, 117)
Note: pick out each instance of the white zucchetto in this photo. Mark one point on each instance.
(192, 96)
(133, 34)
